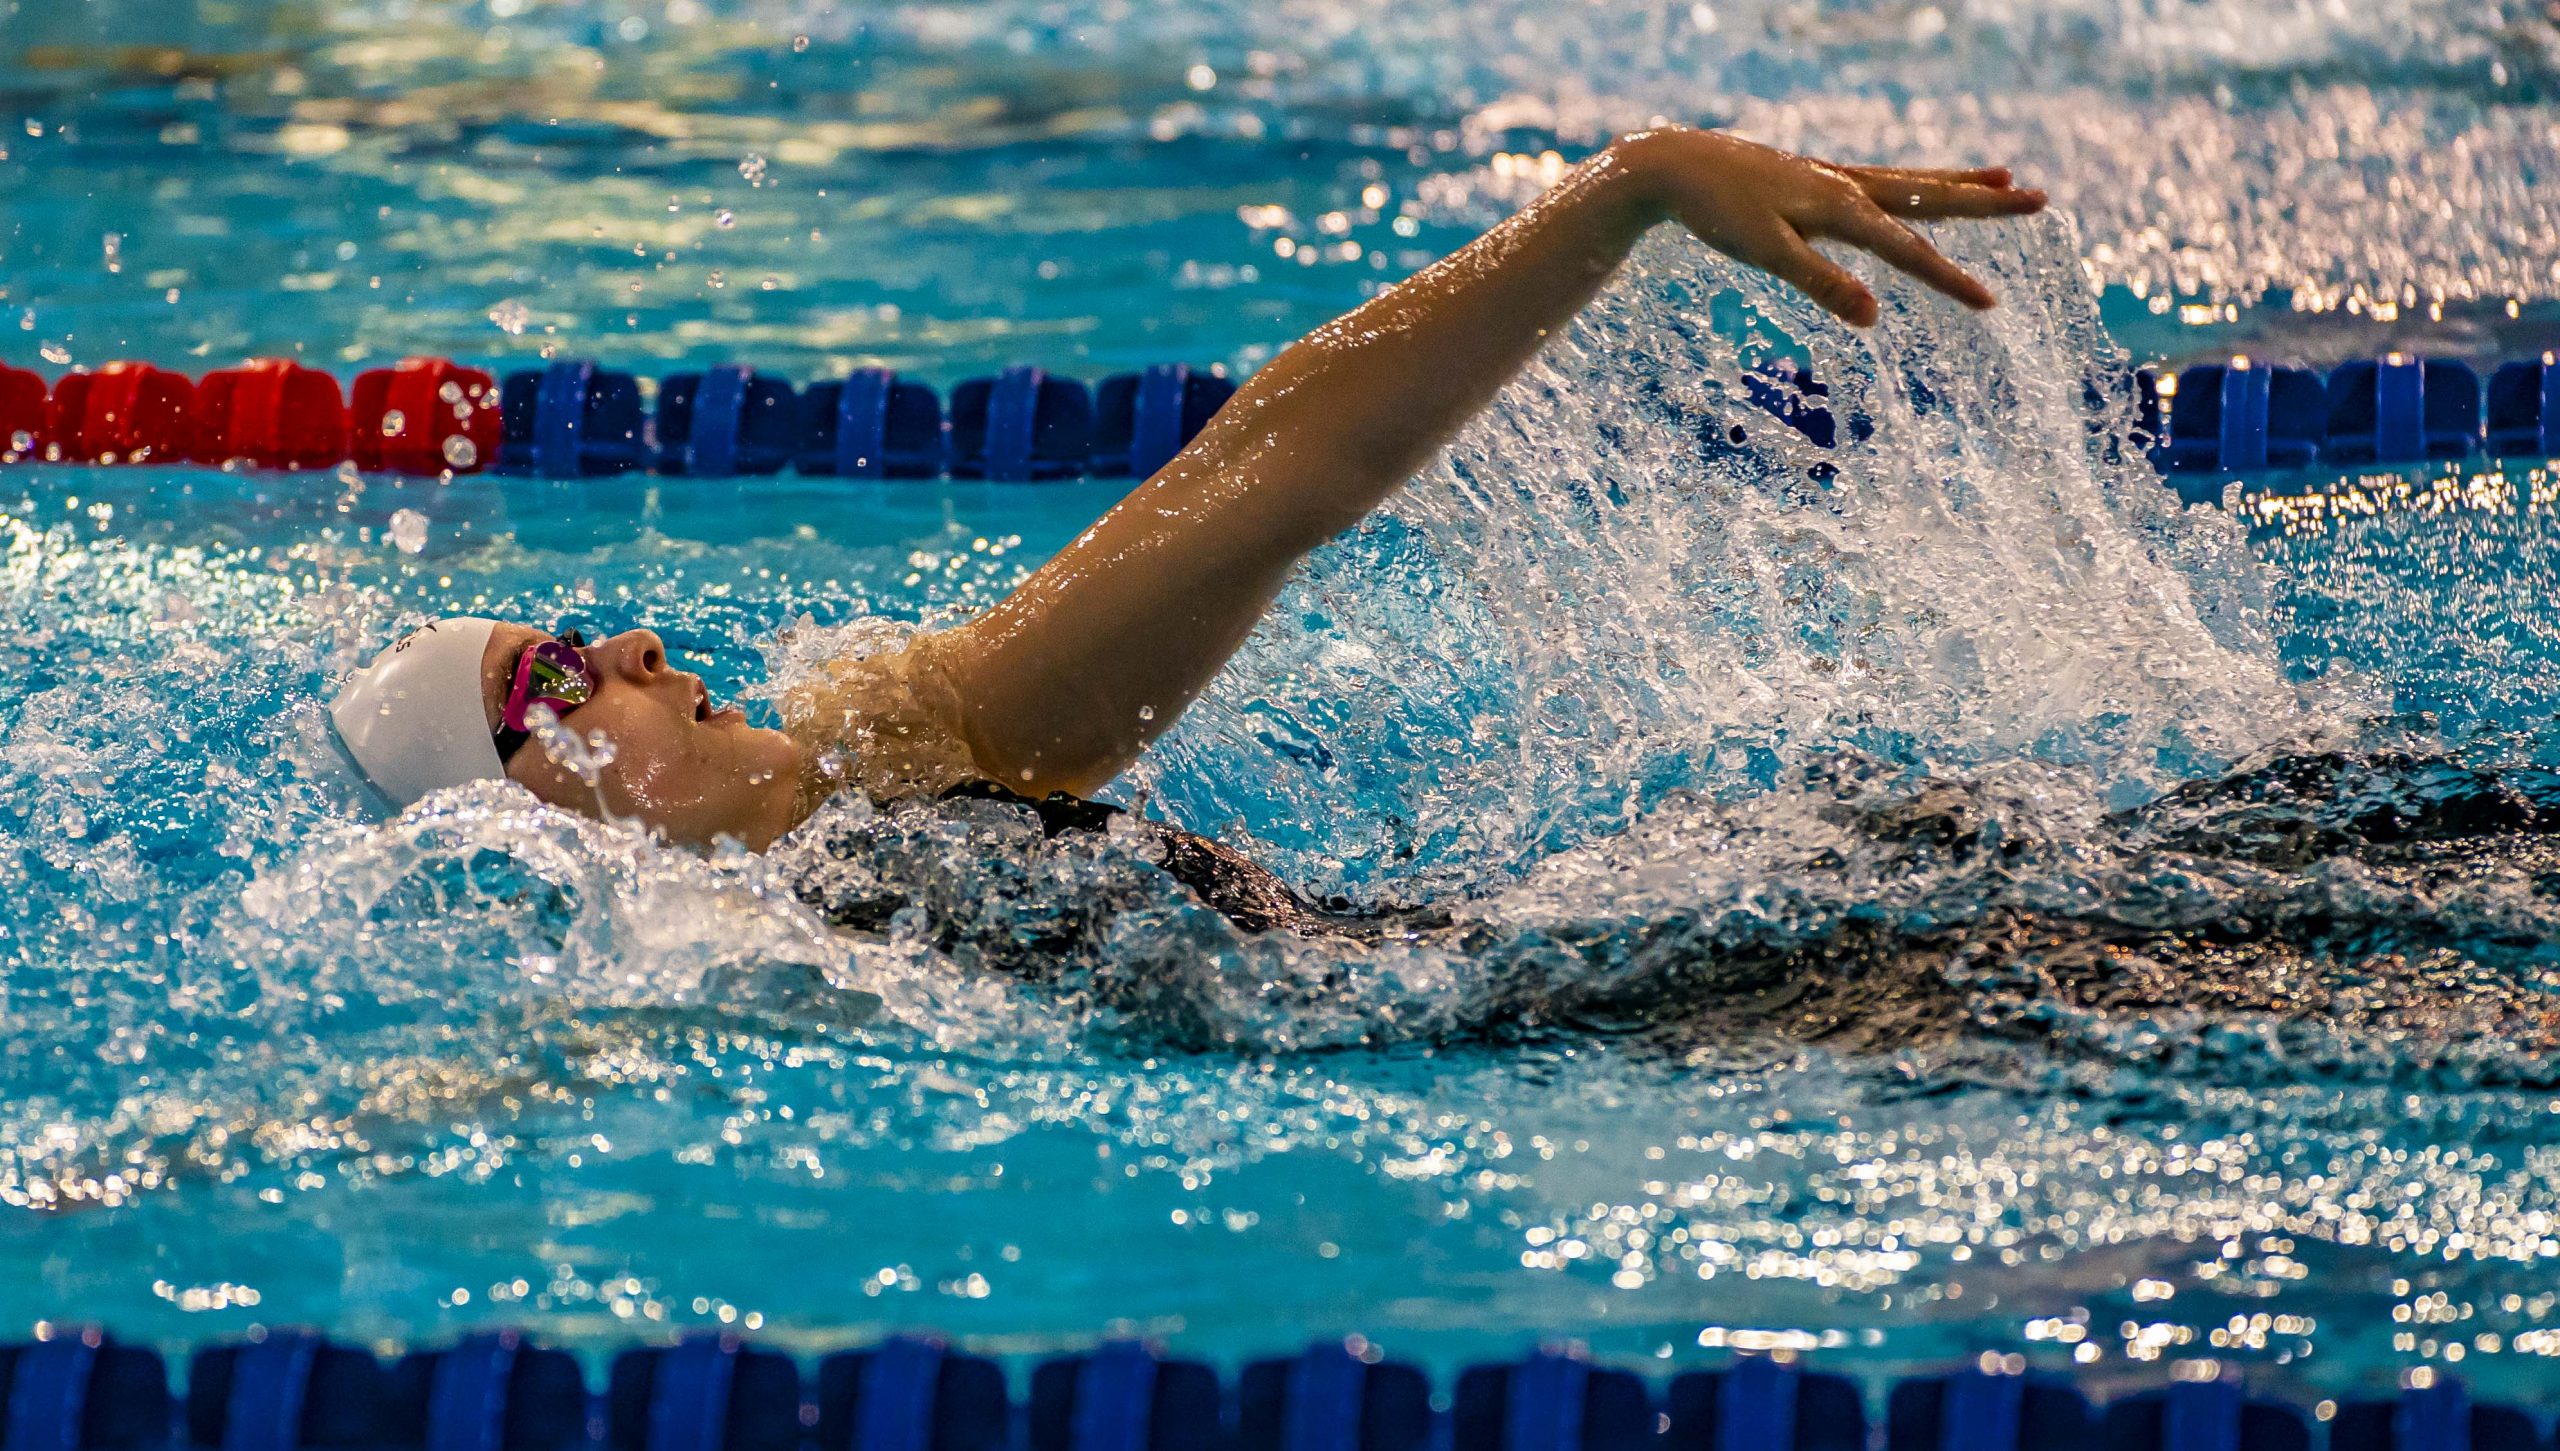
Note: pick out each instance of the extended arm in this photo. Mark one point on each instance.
(1063, 683)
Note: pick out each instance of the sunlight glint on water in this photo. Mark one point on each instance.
(1856, 941)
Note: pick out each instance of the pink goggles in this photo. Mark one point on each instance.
(553, 673)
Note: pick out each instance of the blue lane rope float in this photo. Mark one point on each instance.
(1554, 1400)
(2524, 407)
(472, 1388)
(284, 1391)
(2402, 410)
(573, 419)
(1141, 420)
(490, 1392)
(1024, 424)
(2243, 417)
(1327, 1395)
(1761, 1404)
(2437, 1417)
(2208, 1415)
(726, 422)
(49, 1393)
(872, 425)
(81, 1390)
(1125, 1395)
(1547, 1398)
(1334, 1396)
(270, 1390)
(291, 1390)
(1986, 1410)
(911, 1393)
(708, 1392)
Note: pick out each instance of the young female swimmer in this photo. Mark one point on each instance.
(1060, 686)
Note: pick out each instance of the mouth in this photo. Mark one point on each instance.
(704, 713)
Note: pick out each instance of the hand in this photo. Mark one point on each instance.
(1766, 207)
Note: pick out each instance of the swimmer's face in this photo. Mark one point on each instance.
(689, 771)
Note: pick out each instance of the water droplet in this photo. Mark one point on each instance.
(394, 423)
(799, 43)
(461, 452)
(409, 531)
(1146, 712)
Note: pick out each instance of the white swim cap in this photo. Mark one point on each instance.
(414, 719)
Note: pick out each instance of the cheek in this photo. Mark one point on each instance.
(654, 762)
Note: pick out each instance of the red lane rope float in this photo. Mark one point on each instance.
(425, 416)
(123, 413)
(26, 415)
(272, 412)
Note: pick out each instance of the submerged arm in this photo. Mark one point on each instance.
(1063, 683)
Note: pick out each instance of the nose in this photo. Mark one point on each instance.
(638, 656)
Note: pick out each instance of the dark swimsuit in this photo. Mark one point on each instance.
(1229, 882)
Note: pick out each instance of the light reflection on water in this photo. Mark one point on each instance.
(273, 1063)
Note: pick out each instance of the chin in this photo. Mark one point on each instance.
(767, 753)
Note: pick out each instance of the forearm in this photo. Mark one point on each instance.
(1346, 415)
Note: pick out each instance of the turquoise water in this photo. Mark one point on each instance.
(1963, 904)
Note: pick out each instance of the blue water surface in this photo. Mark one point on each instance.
(1700, 747)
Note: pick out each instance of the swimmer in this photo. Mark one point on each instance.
(1059, 687)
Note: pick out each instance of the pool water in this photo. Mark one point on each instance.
(1956, 902)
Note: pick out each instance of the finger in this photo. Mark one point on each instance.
(1929, 199)
(1908, 250)
(1789, 258)
(1976, 175)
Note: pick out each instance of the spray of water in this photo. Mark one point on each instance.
(1628, 581)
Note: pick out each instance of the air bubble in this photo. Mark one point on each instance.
(394, 423)
(724, 218)
(461, 452)
(409, 531)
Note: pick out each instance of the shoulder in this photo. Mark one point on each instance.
(887, 723)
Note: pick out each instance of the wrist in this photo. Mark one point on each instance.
(1645, 163)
